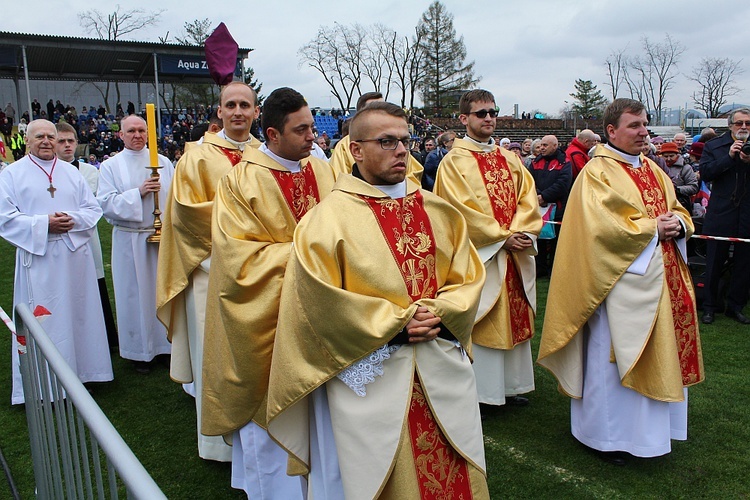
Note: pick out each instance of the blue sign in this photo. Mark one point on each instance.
(8, 57)
(188, 65)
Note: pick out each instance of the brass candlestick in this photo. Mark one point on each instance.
(156, 237)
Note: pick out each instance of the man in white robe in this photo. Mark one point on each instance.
(65, 148)
(126, 195)
(48, 212)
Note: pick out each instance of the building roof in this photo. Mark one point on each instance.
(58, 58)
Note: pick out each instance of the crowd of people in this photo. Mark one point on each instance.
(345, 310)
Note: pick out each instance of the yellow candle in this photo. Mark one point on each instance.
(152, 147)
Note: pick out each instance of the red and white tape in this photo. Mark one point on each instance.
(699, 236)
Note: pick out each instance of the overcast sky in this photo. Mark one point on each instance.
(527, 52)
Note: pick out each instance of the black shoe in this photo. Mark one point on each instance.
(707, 318)
(142, 367)
(613, 457)
(516, 401)
(737, 316)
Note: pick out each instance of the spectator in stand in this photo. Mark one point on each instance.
(445, 143)
(553, 178)
(534, 153)
(515, 147)
(695, 153)
(657, 142)
(682, 175)
(36, 109)
(680, 140)
(50, 109)
(321, 142)
(525, 148)
(707, 134)
(577, 153)
(6, 127)
(728, 214)
(649, 151)
(429, 146)
(504, 142)
(10, 113)
(22, 126)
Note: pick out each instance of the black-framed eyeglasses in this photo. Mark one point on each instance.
(481, 113)
(389, 143)
(740, 123)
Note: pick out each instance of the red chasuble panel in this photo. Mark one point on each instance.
(441, 472)
(501, 190)
(683, 307)
(407, 229)
(300, 189)
(234, 155)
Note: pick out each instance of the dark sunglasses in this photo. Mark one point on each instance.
(481, 113)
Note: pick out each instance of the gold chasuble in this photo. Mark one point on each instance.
(497, 196)
(258, 204)
(659, 352)
(186, 229)
(341, 161)
(361, 264)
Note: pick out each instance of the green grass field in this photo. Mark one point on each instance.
(530, 452)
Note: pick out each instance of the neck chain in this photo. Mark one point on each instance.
(51, 188)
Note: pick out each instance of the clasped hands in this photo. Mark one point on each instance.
(60, 223)
(517, 242)
(423, 326)
(668, 226)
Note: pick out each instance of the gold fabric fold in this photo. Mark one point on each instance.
(459, 181)
(186, 223)
(252, 230)
(344, 296)
(616, 229)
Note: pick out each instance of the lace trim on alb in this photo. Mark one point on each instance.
(364, 371)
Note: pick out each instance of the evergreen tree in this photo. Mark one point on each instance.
(590, 102)
(446, 75)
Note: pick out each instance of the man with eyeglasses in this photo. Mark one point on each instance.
(496, 194)
(434, 157)
(727, 168)
(373, 394)
(342, 160)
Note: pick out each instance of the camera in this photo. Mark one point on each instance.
(746, 148)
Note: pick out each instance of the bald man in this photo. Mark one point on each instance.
(553, 178)
(577, 153)
(126, 195)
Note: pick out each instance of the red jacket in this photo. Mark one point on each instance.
(578, 155)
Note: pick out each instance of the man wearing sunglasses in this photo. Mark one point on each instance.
(496, 194)
(727, 168)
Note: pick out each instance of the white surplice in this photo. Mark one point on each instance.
(56, 270)
(141, 335)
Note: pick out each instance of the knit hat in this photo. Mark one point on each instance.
(657, 140)
(514, 145)
(696, 149)
(669, 147)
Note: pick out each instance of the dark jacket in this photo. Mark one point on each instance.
(553, 177)
(728, 211)
(431, 163)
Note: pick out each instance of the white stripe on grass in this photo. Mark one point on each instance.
(561, 474)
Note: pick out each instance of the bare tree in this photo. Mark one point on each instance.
(116, 26)
(715, 79)
(656, 70)
(377, 61)
(336, 53)
(616, 64)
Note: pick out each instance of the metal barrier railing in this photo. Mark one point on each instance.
(67, 429)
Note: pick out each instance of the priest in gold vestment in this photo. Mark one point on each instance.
(342, 160)
(371, 390)
(185, 248)
(496, 195)
(257, 206)
(620, 328)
